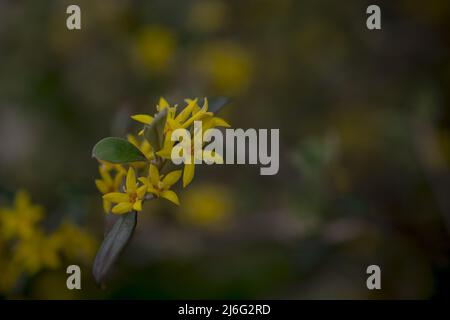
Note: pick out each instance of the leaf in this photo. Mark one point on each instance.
(117, 150)
(215, 104)
(113, 244)
(154, 132)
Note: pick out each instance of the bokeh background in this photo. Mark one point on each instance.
(364, 143)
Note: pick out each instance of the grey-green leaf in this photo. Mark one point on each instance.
(117, 150)
(154, 132)
(215, 104)
(113, 244)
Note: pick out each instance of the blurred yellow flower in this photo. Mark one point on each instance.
(160, 185)
(21, 219)
(206, 205)
(109, 184)
(155, 48)
(26, 249)
(227, 66)
(74, 243)
(131, 199)
(39, 253)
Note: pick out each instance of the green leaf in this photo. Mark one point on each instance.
(113, 244)
(215, 104)
(154, 132)
(117, 150)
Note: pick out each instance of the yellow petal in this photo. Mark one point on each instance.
(184, 114)
(196, 108)
(118, 180)
(188, 174)
(205, 105)
(141, 191)
(212, 122)
(172, 124)
(198, 116)
(141, 132)
(142, 118)
(132, 139)
(105, 175)
(116, 197)
(131, 180)
(165, 153)
(163, 104)
(171, 196)
(101, 186)
(219, 122)
(154, 175)
(121, 208)
(106, 205)
(171, 178)
(137, 205)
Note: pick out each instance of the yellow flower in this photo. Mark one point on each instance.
(74, 242)
(155, 48)
(107, 183)
(208, 121)
(37, 253)
(21, 219)
(147, 119)
(159, 186)
(131, 199)
(227, 66)
(175, 121)
(206, 205)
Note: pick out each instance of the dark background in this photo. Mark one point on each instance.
(364, 141)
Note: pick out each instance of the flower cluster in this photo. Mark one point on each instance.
(25, 249)
(153, 175)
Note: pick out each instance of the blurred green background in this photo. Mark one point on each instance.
(364, 142)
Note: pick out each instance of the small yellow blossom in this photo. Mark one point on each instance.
(207, 205)
(40, 253)
(108, 184)
(147, 119)
(208, 121)
(226, 65)
(131, 199)
(25, 249)
(159, 185)
(21, 219)
(175, 121)
(74, 242)
(155, 48)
